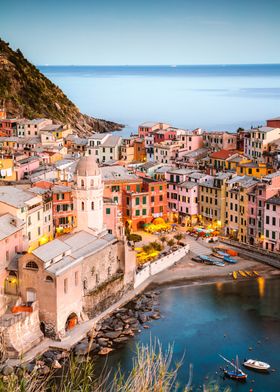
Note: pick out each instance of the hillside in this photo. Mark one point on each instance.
(28, 93)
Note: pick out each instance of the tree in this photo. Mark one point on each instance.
(134, 237)
(171, 242)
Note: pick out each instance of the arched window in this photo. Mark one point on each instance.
(49, 279)
(92, 205)
(32, 265)
(83, 206)
(82, 183)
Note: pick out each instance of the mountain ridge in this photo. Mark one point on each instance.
(28, 93)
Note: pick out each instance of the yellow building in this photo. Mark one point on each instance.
(212, 200)
(29, 208)
(253, 169)
(237, 190)
(7, 172)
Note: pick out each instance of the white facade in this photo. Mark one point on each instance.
(88, 195)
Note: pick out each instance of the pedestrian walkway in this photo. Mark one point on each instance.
(197, 247)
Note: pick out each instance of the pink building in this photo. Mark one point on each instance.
(191, 141)
(11, 243)
(272, 224)
(262, 191)
(26, 166)
(165, 134)
(149, 127)
(217, 140)
(182, 192)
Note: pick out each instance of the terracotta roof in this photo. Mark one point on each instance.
(222, 154)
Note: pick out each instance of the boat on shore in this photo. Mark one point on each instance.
(230, 259)
(242, 273)
(256, 273)
(211, 261)
(234, 275)
(256, 365)
(224, 256)
(235, 374)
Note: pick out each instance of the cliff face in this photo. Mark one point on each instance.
(28, 93)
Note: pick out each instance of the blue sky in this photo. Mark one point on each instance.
(110, 32)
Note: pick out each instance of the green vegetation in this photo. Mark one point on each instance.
(134, 237)
(28, 93)
(152, 370)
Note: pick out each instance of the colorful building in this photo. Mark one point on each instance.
(257, 142)
(255, 169)
(216, 140)
(272, 224)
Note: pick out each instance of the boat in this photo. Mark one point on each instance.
(256, 273)
(256, 365)
(234, 275)
(248, 273)
(211, 261)
(242, 273)
(236, 373)
(221, 253)
(230, 259)
(197, 259)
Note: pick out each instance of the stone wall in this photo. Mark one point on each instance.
(22, 335)
(159, 265)
(103, 296)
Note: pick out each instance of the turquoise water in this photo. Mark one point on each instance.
(202, 321)
(210, 97)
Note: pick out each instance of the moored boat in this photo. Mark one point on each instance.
(256, 365)
(234, 275)
(256, 273)
(236, 373)
(210, 260)
(242, 273)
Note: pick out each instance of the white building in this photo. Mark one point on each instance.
(257, 143)
(88, 195)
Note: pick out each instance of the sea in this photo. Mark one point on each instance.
(200, 322)
(212, 97)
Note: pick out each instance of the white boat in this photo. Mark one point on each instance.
(256, 365)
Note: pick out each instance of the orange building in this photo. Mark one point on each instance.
(140, 207)
(139, 150)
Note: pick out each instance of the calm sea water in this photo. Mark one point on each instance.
(202, 321)
(210, 97)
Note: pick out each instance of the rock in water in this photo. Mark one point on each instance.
(105, 351)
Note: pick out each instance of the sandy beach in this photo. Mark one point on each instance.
(189, 272)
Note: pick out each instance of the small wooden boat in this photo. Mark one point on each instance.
(248, 273)
(211, 261)
(197, 259)
(256, 273)
(230, 259)
(242, 273)
(234, 275)
(236, 373)
(256, 365)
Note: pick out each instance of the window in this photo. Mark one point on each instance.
(29, 220)
(76, 278)
(82, 183)
(137, 212)
(160, 187)
(92, 205)
(160, 198)
(39, 230)
(7, 255)
(91, 183)
(65, 285)
(108, 211)
(29, 236)
(83, 206)
(137, 201)
(49, 279)
(137, 188)
(38, 215)
(144, 200)
(128, 187)
(144, 211)
(32, 266)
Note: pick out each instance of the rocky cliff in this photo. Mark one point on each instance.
(28, 93)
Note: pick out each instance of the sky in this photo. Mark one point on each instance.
(143, 32)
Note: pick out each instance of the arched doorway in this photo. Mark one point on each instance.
(11, 283)
(71, 321)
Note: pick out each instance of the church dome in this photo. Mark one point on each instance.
(87, 166)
